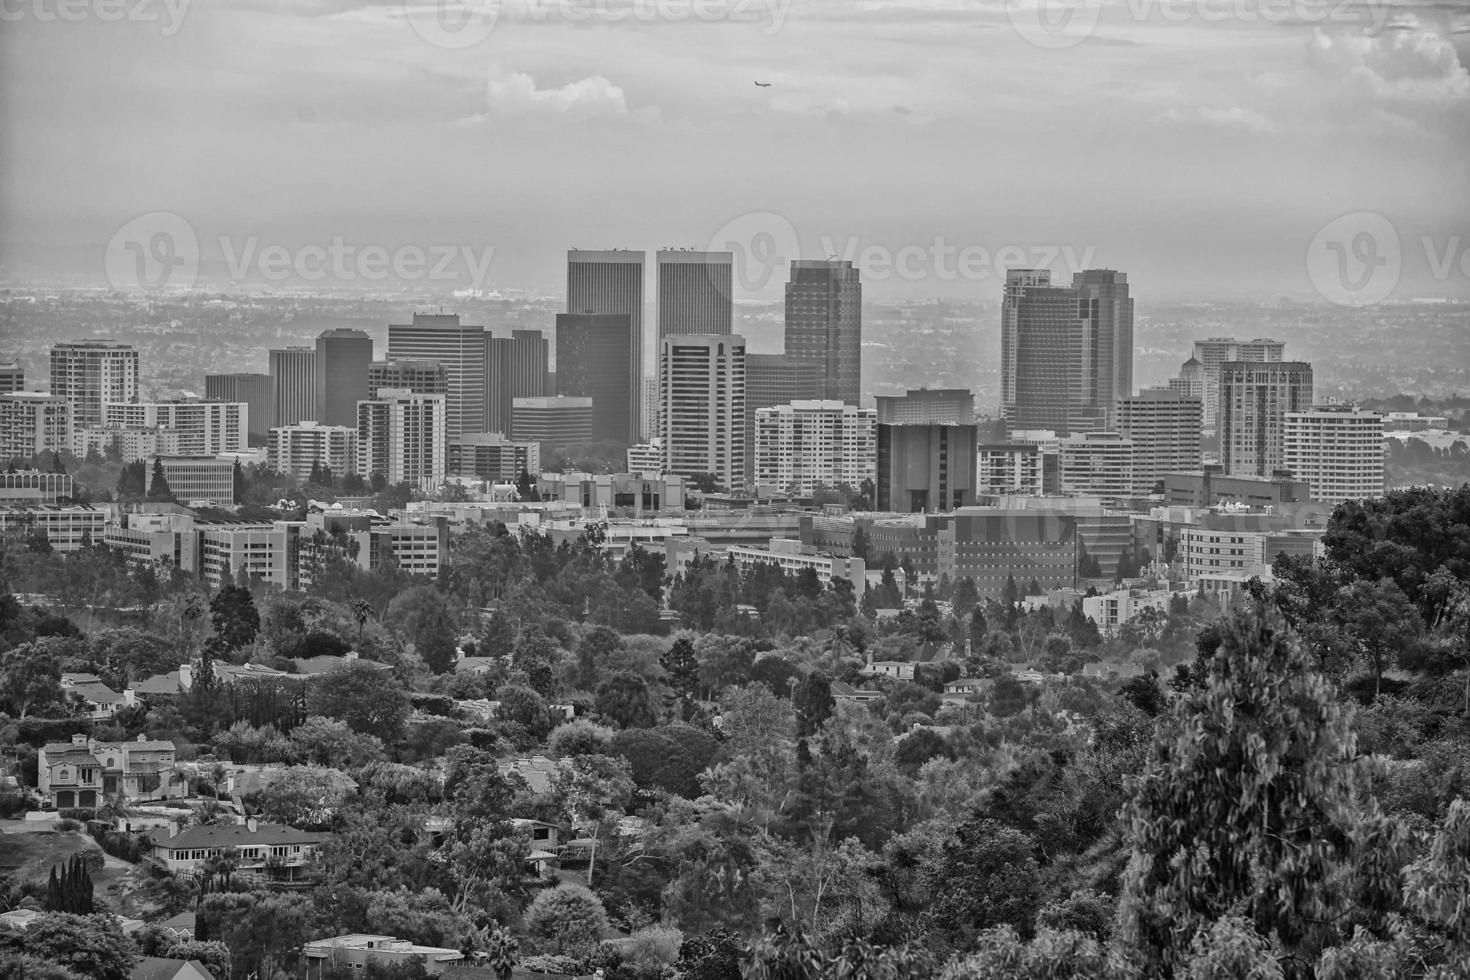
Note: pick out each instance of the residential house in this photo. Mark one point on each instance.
(84, 772)
(18, 920)
(544, 838)
(181, 681)
(898, 669)
(966, 686)
(164, 968)
(273, 852)
(842, 691)
(358, 950)
(100, 700)
(326, 664)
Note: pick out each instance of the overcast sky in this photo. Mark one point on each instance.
(1198, 149)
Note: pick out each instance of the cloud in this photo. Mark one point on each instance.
(1233, 117)
(1405, 66)
(515, 95)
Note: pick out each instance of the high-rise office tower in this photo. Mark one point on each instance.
(611, 282)
(804, 445)
(515, 367)
(928, 406)
(694, 293)
(1066, 351)
(702, 410)
(1337, 450)
(553, 420)
(1215, 351)
(403, 436)
(419, 377)
(1191, 382)
(12, 377)
(462, 349)
(91, 373)
(594, 357)
(926, 450)
(824, 324)
(252, 389)
(1165, 427)
(342, 359)
(293, 384)
(1255, 397)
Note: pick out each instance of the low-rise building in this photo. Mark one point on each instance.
(201, 480)
(34, 487)
(1114, 609)
(358, 950)
(274, 853)
(85, 772)
(100, 700)
(65, 529)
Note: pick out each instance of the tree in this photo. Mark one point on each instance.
(332, 743)
(1251, 801)
(241, 484)
(596, 650)
(30, 679)
(363, 695)
(623, 699)
(813, 701)
(1381, 622)
(681, 667)
(265, 931)
(567, 918)
(91, 946)
(158, 488)
(71, 890)
(304, 796)
(235, 618)
(985, 876)
(434, 642)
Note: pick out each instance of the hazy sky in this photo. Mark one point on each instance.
(1199, 147)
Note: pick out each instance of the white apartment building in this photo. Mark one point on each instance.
(1008, 468)
(132, 444)
(32, 423)
(702, 406)
(647, 458)
(809, 444)
(205, 428)
(1114, 609)
(1337, 451)
(404, 436)
(90, 373)
(1097, 463)
(297, 449)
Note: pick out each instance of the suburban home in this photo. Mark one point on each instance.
(478, 666)
(18, 920)
(1103, 670)
(842, 691)
(544, 836)
(85, 773)
(163, 968)
(181, 681)
(273, 852)
(358, 950)
(326, 664)
(181, 926)
(101, 701)
(897, 669)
